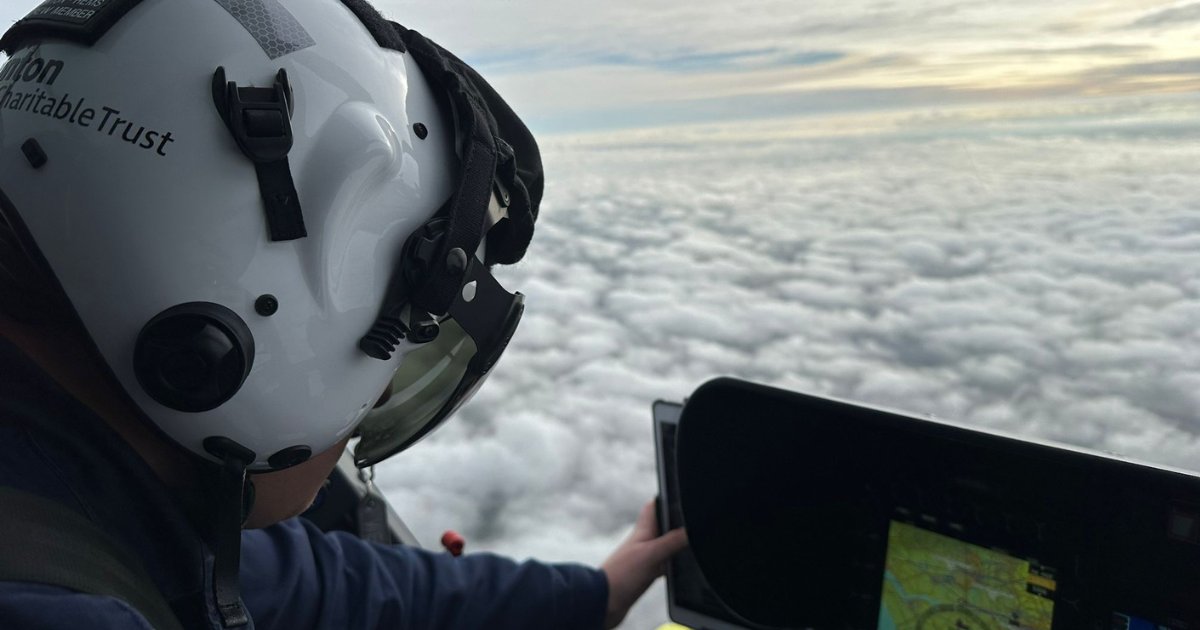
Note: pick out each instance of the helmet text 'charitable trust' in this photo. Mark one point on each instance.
(73, 111)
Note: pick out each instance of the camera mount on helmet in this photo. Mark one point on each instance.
(260, 120)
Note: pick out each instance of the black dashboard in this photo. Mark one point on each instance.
(807, 512)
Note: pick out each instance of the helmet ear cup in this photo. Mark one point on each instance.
(193, 357)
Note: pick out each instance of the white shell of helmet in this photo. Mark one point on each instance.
(147, 203)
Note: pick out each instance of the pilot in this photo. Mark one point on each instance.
(238, 236)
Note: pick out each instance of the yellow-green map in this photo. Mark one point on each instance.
(934, 582)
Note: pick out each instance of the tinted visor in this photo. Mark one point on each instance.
(436, 378)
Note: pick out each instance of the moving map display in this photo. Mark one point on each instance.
(935, 582)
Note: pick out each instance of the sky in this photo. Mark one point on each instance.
(980, 211)
(576, 65)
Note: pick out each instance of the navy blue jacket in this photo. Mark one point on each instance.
(293, 575)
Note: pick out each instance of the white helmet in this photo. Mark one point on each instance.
(264, 214)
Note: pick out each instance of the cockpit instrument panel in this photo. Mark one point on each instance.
(809, 512)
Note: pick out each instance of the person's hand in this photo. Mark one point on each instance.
(637, 562)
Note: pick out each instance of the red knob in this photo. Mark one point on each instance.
(453, 542)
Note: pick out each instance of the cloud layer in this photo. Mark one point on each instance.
(1036, 279)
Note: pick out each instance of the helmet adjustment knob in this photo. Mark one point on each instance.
(456, 262)
(193, 357)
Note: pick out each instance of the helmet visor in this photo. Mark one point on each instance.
(435, 379)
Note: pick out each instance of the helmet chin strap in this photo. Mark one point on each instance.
(234, 494)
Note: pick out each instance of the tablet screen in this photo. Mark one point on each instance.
(935, 581)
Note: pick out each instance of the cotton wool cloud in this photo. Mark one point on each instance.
(1039, 280)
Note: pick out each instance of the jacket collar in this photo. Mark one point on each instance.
(54, 446)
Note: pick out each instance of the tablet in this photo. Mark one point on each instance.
(690, 601)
